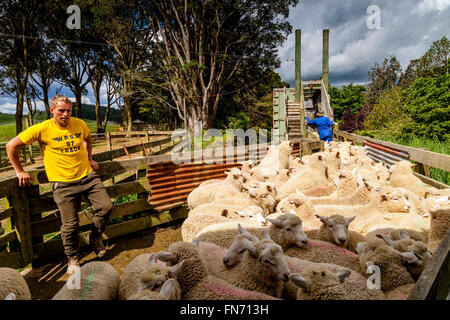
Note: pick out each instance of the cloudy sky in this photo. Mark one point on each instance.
(406, 29)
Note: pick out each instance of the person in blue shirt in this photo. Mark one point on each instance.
(324, 125)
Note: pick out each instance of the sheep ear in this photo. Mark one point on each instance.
(298, 280)
(243, 231)
(321, 218)
(350, 220)
(240, 213)
(433, 214)
(275, 222)
(359, 247)
(10, 296)
(409, 257)
(224, 213)
(387, 240)
(342, 274)
(166, 256)
(196, 242)
(403, 234)
(173, 272)
(152, 259)
(265, 235)
(250, 248)
(167, 288)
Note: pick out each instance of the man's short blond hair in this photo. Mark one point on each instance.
(60, 98)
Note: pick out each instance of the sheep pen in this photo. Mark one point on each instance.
(53, 274)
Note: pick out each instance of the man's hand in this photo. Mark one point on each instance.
(93, 164)
(24, 179)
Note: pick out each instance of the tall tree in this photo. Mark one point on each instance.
(203, 44)
(383, 77)
(17, 22)
(125, 29)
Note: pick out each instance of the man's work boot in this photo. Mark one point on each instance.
(97, 244)
(73, 265)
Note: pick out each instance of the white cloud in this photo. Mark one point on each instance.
(427, 6)
(8, 107)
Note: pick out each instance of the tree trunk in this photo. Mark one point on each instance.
(98, 116)
(46, 102)
(19, 109)
(78, 109)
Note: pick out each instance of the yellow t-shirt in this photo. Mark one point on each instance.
(65, 158)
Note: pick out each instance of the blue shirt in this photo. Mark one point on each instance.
(323, 125)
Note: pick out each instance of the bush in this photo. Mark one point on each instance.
(428, 104)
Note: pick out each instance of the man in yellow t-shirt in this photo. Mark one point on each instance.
(67, 150)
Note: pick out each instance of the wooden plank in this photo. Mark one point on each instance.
(42, 204)
(11, 260)
(119, 190)
(7, 237)
(434, 282)
(23, 224)
(431, 182)
(6, 213)
(53, 247)
(53, 224)
(7, 186)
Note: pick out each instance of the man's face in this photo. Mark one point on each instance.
(61, 113)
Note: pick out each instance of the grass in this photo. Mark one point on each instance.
(437, 146)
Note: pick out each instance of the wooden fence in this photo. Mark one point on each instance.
(423, 158)
(28, 154)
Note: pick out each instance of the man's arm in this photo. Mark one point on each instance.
(88, 146)
(12, 149)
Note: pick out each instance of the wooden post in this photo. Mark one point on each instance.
(298, 63)
(108, 141)
(147, 136)
(422, 168)
(23, 224)
(325, 51)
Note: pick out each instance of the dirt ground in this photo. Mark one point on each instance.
(46, 279)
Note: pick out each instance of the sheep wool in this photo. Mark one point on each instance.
(197, 284)
(99, 281)
(439, 224)
(11, 281)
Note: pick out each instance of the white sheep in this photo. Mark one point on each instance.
(285, 230)
(230, 187)
(145, 272)
(196, 282)
(312, 176)
(334, 229)
(13, 286)
(262, 268)
(96, 280)
(318, 283)
(170, 290)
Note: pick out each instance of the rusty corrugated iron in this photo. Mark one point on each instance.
(171, 183)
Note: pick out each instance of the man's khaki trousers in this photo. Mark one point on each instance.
(67, 196)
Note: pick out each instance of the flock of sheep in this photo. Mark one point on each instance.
(312, 228)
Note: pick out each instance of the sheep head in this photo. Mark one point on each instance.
(157, 273)
(336, 226)
(317, 282)
(289, 230)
